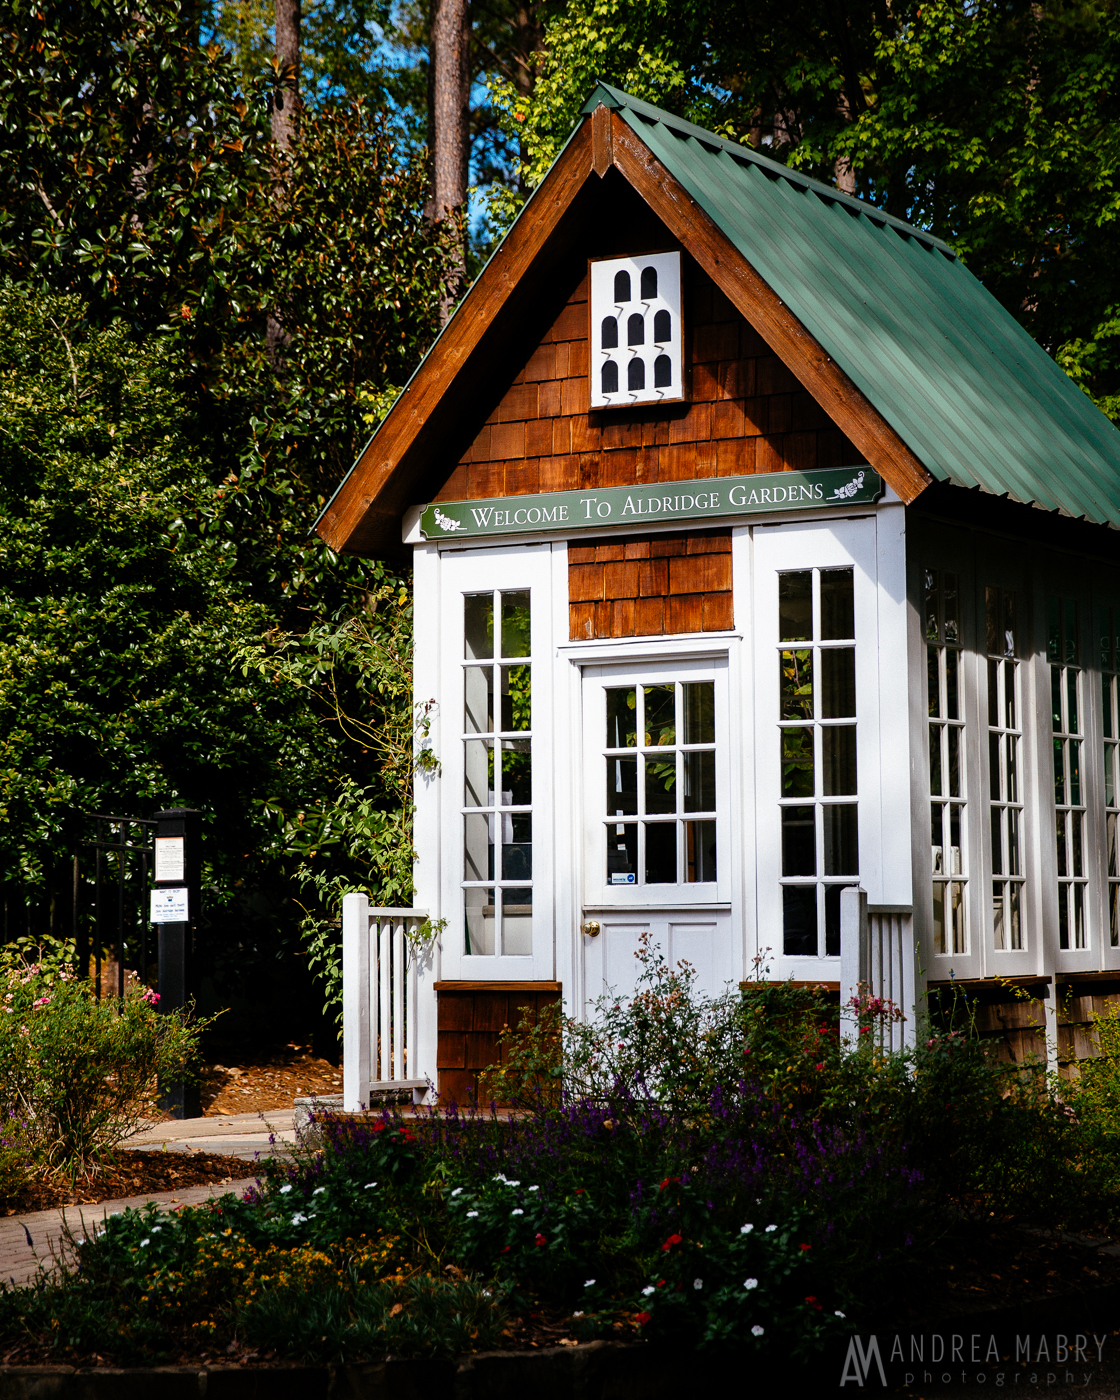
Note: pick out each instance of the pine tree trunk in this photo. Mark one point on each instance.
(450, 59)
(285, 98)
(285, 111)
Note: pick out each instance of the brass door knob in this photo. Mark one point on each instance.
(592, 928)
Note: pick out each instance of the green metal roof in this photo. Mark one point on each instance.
(953, 373)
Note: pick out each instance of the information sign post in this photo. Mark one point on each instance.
(175, 910)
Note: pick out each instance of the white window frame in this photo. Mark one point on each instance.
(506, 569)
(632, 672)
(783, 549)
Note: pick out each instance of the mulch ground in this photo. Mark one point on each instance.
(999, 1265)
(242, 1079)
(125, 1173)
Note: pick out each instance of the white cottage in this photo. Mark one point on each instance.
(759, 555)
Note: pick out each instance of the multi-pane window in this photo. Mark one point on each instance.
(498, 775)
(1110, 710)
(660, 769)
(1069, 805)
(817, 736)
(1005, 783)
(946, 761)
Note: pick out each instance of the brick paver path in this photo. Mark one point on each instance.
(29, 1241)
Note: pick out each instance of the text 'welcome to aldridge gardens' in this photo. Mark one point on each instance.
(719, 497)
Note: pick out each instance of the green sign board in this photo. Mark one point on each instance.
(712, 499)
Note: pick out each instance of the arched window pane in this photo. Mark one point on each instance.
(662, 372)
(636, 330)
(649, 283)
(662, 327)
(609, 378)
(622, 286)
(636, 374)
(610, 333)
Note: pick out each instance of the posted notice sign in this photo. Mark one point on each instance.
(170, 906)
(713, 499)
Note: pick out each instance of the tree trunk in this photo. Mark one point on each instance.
(450, 64)
(285, 111)
(285, 98)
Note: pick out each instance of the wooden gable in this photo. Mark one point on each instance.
(500, 406)
(748, 413)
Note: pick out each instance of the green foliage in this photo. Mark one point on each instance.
(360, 836)
(122, 604)
(126, 151)
(80, 1074)
(996, 125)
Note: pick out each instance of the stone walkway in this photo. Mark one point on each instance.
(235, 1135)
(29, 1241)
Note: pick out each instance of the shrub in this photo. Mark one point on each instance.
(80, 1073)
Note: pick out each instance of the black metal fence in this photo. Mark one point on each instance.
(100, 899)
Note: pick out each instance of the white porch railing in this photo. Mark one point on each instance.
(877, 953)
(379, 1013)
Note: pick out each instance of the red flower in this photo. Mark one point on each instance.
(806, 1246)
(666, 1182)
(820, 1066)
(661, 1283)
(813, 1302)
(642, 1318)
(671, 1241)
(540, 1241)
(504, 1251)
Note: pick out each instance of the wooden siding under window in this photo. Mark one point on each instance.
(650, 585)
(469, 1020)
(748, 413)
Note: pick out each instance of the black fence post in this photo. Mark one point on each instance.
(177, 891)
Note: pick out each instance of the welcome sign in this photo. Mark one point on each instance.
(711, 499)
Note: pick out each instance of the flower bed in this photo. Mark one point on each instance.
(756, 1188)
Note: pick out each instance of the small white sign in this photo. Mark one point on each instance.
(170, 906)
(623, 877)
(170, 858)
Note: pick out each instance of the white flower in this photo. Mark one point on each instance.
(513, 1183)
(457, 1192)
(298, 1218)
(647, 1291)
(698, 1283)
(534, 1188)
(839, 1313)
(285, 1189)
(144, 1242)
(745, 1229)
(318, 1190)
(589, 1282)
(156, 1228)
(471, 1214)
(757, 1331)
(518, 1211)
(577, 1314)
(750, 1283)
(369, 1185)
(80, 1242)
(770, 1229)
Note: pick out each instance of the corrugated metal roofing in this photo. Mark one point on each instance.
(956, 376)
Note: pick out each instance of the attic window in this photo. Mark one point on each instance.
(650, 367)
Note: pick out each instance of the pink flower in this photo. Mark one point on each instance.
(42, 1001)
